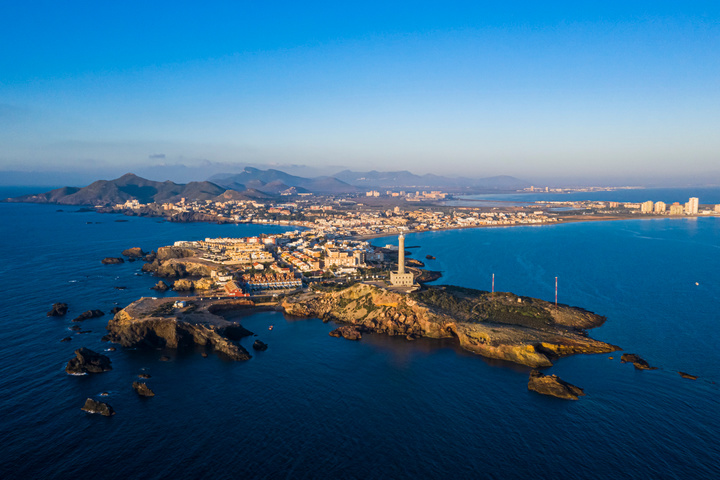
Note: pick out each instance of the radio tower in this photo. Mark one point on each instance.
(556, 291)
(493, 285)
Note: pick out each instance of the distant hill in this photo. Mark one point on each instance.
(132, 187)
(276, 181)
(405, 179)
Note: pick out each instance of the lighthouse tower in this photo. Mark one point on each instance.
(400, 278)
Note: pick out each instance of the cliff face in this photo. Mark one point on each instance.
(155, 323)
(529, 332)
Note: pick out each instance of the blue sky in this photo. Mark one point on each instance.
(569, 90)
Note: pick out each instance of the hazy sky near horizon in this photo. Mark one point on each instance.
(531, 89)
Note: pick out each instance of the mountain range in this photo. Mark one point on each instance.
(132, 187)
(256, 184)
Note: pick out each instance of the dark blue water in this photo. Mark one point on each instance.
(314, 406)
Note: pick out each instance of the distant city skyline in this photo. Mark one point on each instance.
(615, 93)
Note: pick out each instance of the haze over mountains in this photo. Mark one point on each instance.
(256, 184)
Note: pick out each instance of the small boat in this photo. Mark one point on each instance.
(270, 327)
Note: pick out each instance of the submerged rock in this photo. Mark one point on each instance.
(66, 339)
(636, 360)
(164, 358)
(102, 408)
(88, 315)
(112, 261)
(87, 361)
(115, 310)
(554, 386)
(142, 389)
(348, 332)
(144, 375)
(58, 310)
(260, 345)
(688, 376)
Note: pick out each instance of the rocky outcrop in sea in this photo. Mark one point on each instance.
(58, 310)
(554, 386)
(88, 315)
(112, 261)
(88, 361)
(637, 361)
(135, 252)
(142, 389)
(101, 408)
(260, 345)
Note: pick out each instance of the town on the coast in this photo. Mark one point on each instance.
(333, 246)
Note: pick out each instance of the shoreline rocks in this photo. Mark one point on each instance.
(637, 361)
(101, 408)
(88, 361)
(554, 386)
(134, 252)
(58, 310)
(161, 287)
(348, 332)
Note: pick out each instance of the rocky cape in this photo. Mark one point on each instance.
(157, 323)
(502, 326)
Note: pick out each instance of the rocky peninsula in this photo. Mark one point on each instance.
(157, 322)
(501, 326)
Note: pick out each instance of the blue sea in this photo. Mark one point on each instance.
(706, 195)
(314, 406)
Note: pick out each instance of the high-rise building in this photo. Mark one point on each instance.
(660, 207)
(691, 207)
(646, 207)
(676, 209)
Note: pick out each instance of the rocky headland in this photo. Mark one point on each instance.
(156, 323)
(502, 326)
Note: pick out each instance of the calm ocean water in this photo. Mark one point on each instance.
(314, 406)
(706, 195)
